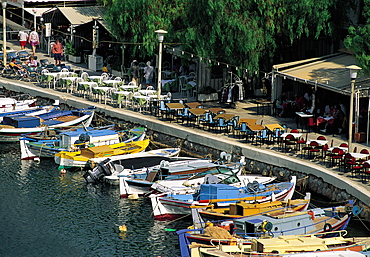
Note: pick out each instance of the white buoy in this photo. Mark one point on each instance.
(36, 159)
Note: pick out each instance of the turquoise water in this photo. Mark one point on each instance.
(46, 214)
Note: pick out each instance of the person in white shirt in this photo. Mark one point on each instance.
(22, 37)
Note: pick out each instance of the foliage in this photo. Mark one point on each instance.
(69, 49)
(358, 40)
(207, 90)
(238, 32)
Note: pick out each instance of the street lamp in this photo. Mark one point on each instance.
(34, 19)
(353, 69)
(3, 3)
(161, 34)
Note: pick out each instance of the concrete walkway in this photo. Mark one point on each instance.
(223, 142)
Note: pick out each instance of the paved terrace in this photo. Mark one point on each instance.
(225, 142)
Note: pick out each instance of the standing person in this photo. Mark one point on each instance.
(57, 50)
(22, 37)
(148, 73)
(135, 69)
(33, 39)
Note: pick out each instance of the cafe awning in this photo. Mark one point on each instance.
(12, 25)
(328, 72)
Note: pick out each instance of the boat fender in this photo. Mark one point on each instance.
(164, 164)
(312, 214)
(266, 226)
(348, 207)
(327, 227)
(356, 210)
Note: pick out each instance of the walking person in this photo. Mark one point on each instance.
(33, 39)
(57, 50)
(22, 37)
(135, 69)
(148, 73)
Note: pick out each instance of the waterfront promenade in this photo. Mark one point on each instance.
(224, 142)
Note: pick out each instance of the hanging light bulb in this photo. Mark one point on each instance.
(209, 61)
(182, 52)
(218, 63)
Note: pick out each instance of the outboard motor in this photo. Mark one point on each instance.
(96, 175)
(82, 140)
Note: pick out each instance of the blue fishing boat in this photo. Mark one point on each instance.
(174, 205)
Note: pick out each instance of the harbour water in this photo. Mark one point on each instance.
(44, 213)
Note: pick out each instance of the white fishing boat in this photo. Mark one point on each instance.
(46, 146)
(8, 104)
(13, 127)
(109, 170)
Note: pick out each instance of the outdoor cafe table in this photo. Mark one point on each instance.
(301, 116)
(112, 82)
(198, 112)
(144, 99)
(121, 95)
(166, 84)
(128, 87)
(216, 110)
(86, 86)
(193, 105)
(248, 121)
(255, 127)
(147, 92)
(340, 147)
(225, 116)
(175, 107)
(264, 107)
(104, 90)
(69, 82)
(97, 79)
(319, 142)
(359, 156)
(273, 127)
(320, 120)
(295, 135)
(48, 76)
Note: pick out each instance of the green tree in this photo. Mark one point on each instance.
(358, 40)
(238, 32)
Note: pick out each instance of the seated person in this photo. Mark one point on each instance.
(13, 64)
(31, 62)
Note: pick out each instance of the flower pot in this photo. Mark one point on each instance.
(75, 59)
(208, 97)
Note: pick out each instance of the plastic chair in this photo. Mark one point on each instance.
(204, 121)
(262, 136)
(289, 142)
(365, 174)
(312, 124)
(314, 149)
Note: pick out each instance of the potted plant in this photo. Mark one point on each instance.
(207, 93)
(70, 51)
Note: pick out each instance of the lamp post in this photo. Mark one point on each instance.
(161, 34)
(34, 19)
(353, 69)
(3, 3)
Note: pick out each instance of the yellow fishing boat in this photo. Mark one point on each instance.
(97, 154)
(242, 208)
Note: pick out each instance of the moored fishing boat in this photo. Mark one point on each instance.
(242, 209)
(184, 177)
(296, 245)
(8, 104)
(97, 154)
(13, 127)
(32, 111)
(174, 205)
(273, 224)
(70, 140)
(110, 170)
